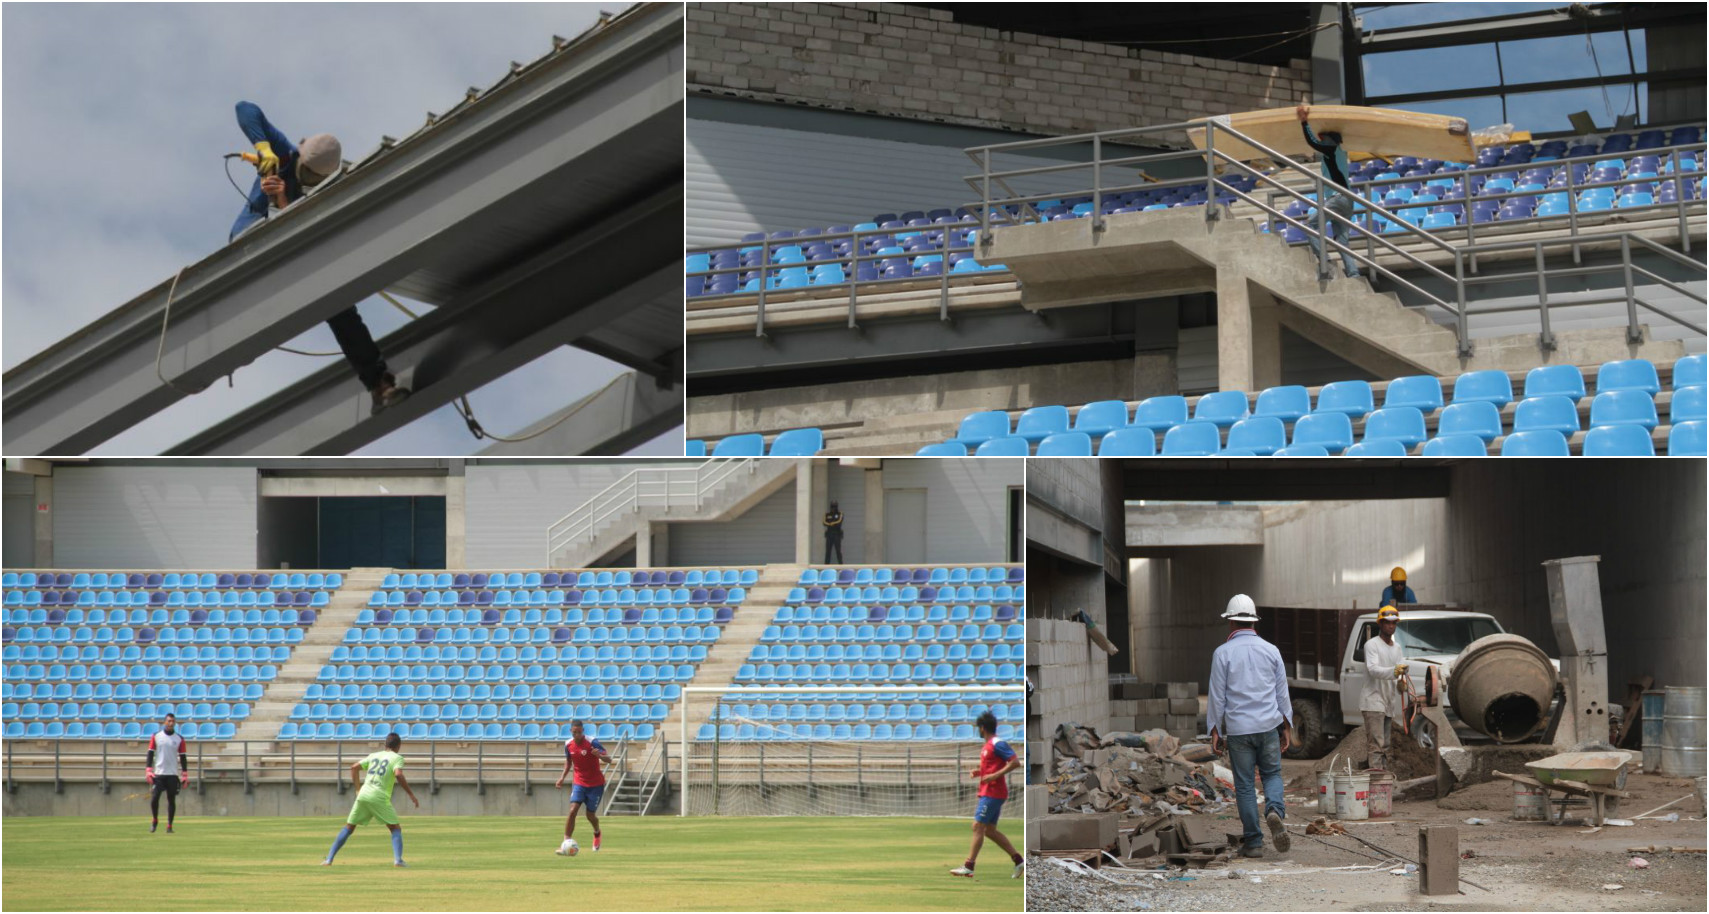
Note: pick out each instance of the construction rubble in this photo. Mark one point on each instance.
(1134, 796)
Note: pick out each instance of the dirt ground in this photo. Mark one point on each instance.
(1525, 866)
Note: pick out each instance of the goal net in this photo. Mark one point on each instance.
(839, 750)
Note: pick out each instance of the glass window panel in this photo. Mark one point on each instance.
(1430, 70)
(1536, 60)
(1543, 112)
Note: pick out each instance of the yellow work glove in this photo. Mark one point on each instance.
(1400, 671)
(268, 163)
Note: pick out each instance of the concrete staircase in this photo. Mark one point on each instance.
(738, 639)
(315, 651)
(615, 519)
(1259, 278)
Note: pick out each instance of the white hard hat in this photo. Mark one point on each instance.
(321, 156)
(1240, 609)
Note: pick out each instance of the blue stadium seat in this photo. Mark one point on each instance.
(1403, 424)
(1380, 447)
(1421, 392)
(1688, 439)
(798, 442)
(748, 445)
(942, 449)
(1629, 406)
(1618, 441)
(1066, 444)
(1484, 386)
(1535, 443)
(1287, 403)
(1303, 450)
(1128, 442)
(1554, 412)
(1476, 417)
(1628, 374)
(1159, 413)
(1197, 438)
(1350, 397)
(1040, 422)
(1555, 380)
(694, 447)
(1456, 446)
(1691, 371)
(1261, 434)
(1006, 446)
(1689, 404)
(978, 428)
(1102, 417)
(1333, 431)
(1224, 408)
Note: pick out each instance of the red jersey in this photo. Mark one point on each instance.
(584, 762)
(992, 757)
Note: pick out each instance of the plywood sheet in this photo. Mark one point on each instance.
(1385, 132)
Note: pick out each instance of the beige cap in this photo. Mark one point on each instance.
(321, 155)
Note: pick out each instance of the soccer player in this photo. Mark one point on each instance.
(168, 770)
(374, 800)
(584, 756)
(996, 760)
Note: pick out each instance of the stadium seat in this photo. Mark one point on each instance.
(798, 442)
(1555, 380)
(1261, 434)
(1006, 446)
(1552, 412)
(1040, 422)
(1350, 397)
(1456, 446)
(1224, 408)
(978, 428)
(1066, 444)
(1484, 386)
(1303, 450)
(749, 445)
(1288, 403)
(1333, 431)
(1628, 374)
(1689, 404)
(1691, 371)
(1380, 447)
(1618, 441)
(942, 449)
(1476, 417)
(1688, 439)
(1627, 406)
(1402, 424)
(1128, 442)
(1535, 443)
(1198, 438)
(1160, 413)
(1101, 418)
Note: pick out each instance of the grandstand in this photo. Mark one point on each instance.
(281, 677)
(876, 271)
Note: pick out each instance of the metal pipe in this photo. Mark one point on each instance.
(1633, 333)
(1548, 338)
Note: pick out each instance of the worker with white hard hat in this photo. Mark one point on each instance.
(1397, 592)
(1379, 700)
(1251, 715)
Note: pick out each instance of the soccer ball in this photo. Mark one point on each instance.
(569, 848)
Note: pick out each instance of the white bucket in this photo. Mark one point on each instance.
(1530, 804)
(1326, 793)
(1353, 797)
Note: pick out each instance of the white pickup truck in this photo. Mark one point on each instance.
(1324, 650)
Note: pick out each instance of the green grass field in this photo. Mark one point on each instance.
(500, 864)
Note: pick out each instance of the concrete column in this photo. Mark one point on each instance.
(44, 521)
(456, 522)
(1233, 331)
(1327, 81)
(1155, 374)
(1266, 342)
(644, 545)
(661, 545)
(806, 522)
(873, 542)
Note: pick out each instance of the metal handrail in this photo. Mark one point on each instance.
(664, 487)
(998, 209)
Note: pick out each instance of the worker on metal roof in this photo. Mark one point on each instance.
(1397, 592)
(283, 173)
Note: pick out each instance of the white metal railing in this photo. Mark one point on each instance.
(647, 487)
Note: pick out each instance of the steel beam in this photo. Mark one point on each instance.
(577, 119)
(456, 349)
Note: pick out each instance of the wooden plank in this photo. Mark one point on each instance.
(1634, 710)
(1385, 132)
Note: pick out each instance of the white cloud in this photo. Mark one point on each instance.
(115, 119)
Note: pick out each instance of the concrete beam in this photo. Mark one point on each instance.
(351, 486)
(628, 411)
(1063, 536)
(1162, 525)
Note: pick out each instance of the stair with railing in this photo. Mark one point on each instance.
(613, 519)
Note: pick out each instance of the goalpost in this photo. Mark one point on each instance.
(755, 764)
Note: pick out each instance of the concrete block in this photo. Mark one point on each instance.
(1143, 845)
(1184, 706)
(1150, 722)
(1131, 691)
(1152, 706)
(1071, 832)
(1183, 690)
(1439, 860)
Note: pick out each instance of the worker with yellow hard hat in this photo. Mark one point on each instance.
(1379, 700)
(1397, 592)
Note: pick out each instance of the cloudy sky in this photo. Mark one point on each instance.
(115, 117)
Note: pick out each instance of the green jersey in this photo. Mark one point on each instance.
(382, 768)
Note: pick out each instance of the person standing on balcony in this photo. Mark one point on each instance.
(1335, 168)
(834, 534)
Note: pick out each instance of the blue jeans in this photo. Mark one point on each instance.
(1340, 205)
(1264, 752)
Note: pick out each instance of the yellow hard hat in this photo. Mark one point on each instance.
(1398, 574)
(1388, 612)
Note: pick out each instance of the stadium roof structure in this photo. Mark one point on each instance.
(543, 211)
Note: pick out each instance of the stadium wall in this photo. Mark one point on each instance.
(910, 62)
(318, 798)
(966, 505)
(142, 516)
(763, 534)
(19, 532)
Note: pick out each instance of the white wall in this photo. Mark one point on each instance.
(966, 504)
(141, 516)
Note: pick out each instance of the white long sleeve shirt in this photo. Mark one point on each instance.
(1380, 692)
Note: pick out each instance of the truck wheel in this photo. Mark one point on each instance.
(1308, 731)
